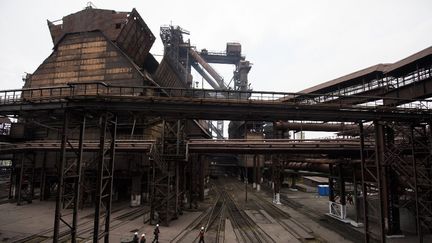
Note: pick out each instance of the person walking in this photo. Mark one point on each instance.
(350, 199)
(135, 238)
(142, 239)
(156, 234)
(201, 235)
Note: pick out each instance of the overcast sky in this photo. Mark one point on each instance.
(292, 44)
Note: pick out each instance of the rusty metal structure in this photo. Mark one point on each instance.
(101, 113)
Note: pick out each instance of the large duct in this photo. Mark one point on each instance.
(208, 68)
(205, 76)
(328, 127)
(316, 167)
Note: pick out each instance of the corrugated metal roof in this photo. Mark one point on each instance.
(409, 60)
(368, 73)
(347, 80)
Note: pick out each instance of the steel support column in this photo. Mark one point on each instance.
(355, 196)
(258, 172)
(379, 158)
(417, 207)
(363, 185)
(25, 188)
(371, 184)
(105, 174)
(255, 174)
(341, 182)
(68, 191)
(331, 183)
(59, 199)
(13, 179)
(43, 178)
(166, 201)
(390, 181)
(276, 177)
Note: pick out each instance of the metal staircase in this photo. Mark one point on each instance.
(166, 159)
(25, 178)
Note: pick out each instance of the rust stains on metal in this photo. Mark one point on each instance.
(407, 64)
(127, 29)
(166, 76)
(135, 38)
(108, 21)
(348, 80)
(86, 57)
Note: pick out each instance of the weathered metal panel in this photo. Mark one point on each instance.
(165, 75)
(17, 130)
(233, 49)
(108, 21)
(136, 39)
(89, 57)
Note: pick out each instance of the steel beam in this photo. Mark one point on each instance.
(364, 174)
(416, 194)
(379, 158)
(60, 187)
(331, 183)
(105, 174)
(341, 182)
(68, 191)
(197, 104)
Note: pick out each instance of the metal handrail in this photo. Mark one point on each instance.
(100, 89)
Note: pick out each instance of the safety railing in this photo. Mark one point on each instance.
(387, 83)
(121, 144)
(278, 143)
(337, 210)
(274, 140)
(100, 89)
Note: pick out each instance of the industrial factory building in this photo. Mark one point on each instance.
(105, 139)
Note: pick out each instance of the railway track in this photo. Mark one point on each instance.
(298, 231)
(213, 221)
(210, 219)
(215, 224)
(319, 218)
(85, 226)
(301, 232)
(331, 224)
(246, 229)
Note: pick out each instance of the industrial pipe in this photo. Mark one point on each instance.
(328, 127)
(208, 68)
(205, 76)
(308, 166)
